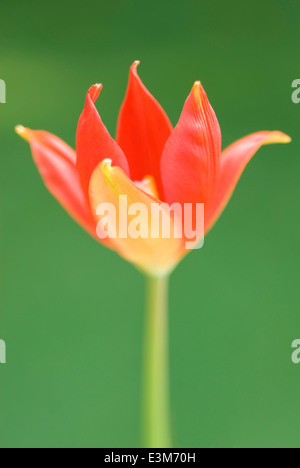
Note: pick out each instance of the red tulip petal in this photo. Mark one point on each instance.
(190, 160)
(233, 162)
(93, 142)
(55, 161)
(143, 129)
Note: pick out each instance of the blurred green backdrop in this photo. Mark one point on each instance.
(71, 311)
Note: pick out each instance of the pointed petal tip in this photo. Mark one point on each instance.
(94, 91)
(106, 165)
(19, 129)
(196, 88)
(23, 132)
(278, 137)
(133, 69)
(135, 65)
(198, 91)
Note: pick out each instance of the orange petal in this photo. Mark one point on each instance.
(151, 255)
(233, 162)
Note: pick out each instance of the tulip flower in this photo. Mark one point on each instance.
(148, 162)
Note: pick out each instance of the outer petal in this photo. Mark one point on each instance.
(55, 161)
(233, 162)
(143, 129)
(93, 142)
(190, 160)
(151, 255)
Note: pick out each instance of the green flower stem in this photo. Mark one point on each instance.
(157, 431)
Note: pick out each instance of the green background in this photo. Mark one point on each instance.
(72, 311)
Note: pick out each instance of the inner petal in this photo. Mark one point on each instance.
(148, 185)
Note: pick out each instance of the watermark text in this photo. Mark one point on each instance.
(2, 92)
(2, 352)
(154, 221)
(296, 93)
(296, 353)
